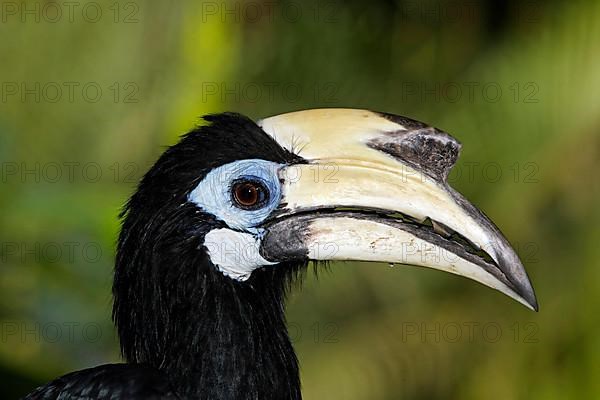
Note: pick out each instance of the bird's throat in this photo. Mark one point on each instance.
(216, 338)
(241, 350)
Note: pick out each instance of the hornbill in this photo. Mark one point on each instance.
(228, 217)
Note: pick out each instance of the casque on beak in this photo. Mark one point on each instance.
(375, 189)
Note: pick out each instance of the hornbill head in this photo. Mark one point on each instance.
(225, 217)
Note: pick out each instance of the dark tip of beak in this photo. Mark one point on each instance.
(526, 291)
(515, 273)
(535, 305)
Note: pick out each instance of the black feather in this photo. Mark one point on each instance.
(197, 330)
(108, 382)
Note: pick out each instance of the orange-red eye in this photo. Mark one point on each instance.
(248, 194)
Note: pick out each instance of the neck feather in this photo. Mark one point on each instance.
(215, 338)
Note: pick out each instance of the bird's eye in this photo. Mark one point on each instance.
(249, 194)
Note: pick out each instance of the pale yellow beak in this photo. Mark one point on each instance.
(374, 188)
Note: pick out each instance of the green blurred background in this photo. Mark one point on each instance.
(93, 91)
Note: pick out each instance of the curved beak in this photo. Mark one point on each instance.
(374, 188)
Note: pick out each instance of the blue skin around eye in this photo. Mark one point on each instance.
(213, 193)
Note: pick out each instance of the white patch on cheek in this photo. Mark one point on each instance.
(235, 254)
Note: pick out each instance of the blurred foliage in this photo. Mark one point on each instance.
(530, 158)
